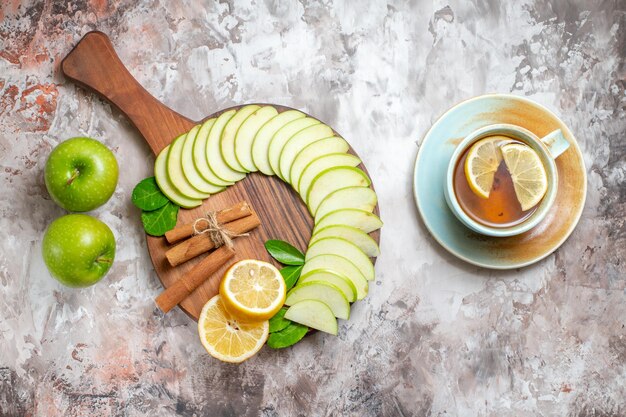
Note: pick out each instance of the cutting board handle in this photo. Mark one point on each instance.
(94, 64)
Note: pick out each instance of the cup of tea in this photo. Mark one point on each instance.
(498, 212)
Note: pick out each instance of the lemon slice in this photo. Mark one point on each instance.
(481, 164)
(527, 172)
(227, 339)
(253, 290)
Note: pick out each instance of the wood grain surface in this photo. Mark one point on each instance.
(94, 64)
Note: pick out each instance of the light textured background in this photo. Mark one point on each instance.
(435, 336)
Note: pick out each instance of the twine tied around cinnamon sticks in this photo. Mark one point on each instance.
(219, 235)
(236, 220)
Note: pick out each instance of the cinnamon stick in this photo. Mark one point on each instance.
(228, 215)
(198, 244)
(181, 289)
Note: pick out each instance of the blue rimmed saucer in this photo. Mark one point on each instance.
(432, 161)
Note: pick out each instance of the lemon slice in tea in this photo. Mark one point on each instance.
(527, 172)
(225, 337)
(481, 164)
(253, 290)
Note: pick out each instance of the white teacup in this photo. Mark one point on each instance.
(548, 148)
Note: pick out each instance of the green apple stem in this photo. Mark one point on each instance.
(75, 175)
(104, 260)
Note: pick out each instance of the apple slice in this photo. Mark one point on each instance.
(166, 186)
(246, 133)
(189, 167)
(281, 137)
(321, 164)
(325, 275)
(297, 142)
(227, 141)
(330, 180)
(321, 291)
(351, 234)
(341, 266)
(342, 247)
(200, 155)
(361, 219)
(313, 151)
(213, 153)
(261, 143)
(363, 198)
(314, 314)
(175, 171)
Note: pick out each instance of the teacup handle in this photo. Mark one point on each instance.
(556, 143)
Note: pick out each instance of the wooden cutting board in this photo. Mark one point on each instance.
(94, 65)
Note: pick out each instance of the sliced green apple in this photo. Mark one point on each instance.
(200, 155)
(214, 154)
(313, 151)
(351, 234)
(330, 180)
(326, 275)
(314, 314)
(322, 164)
(281, 137)
(341, 266)
(227, 141)
(189, 167)
(175, 171)
(342, 247)
(363, 198)
(160, 172)
(297, 142)
(246, 133)
(321, 291)
(361, 219)
(261, 143)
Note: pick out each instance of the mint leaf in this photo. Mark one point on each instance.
(284, 253)
(159, 221)
(291, 274)
(279, 322)
(147, 195)
(290, 335)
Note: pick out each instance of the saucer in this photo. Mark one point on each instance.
(432, 161)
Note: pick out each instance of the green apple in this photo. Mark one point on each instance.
(326, 275)
(314, 314)
(81, 174)
(341, 266)
(332, 179)
(214, 154)
(227, 141)
(321, 291)
(191, 172)
(78, 250)
(282, 136)
(261, 143)
(166, 186)
(200, 159)
(321, 164)
(361, 219)
(363, 198)
(351, 234)
(342, 247)
(175, 171)
(313, 151)
(246, 134)
(296, 143)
